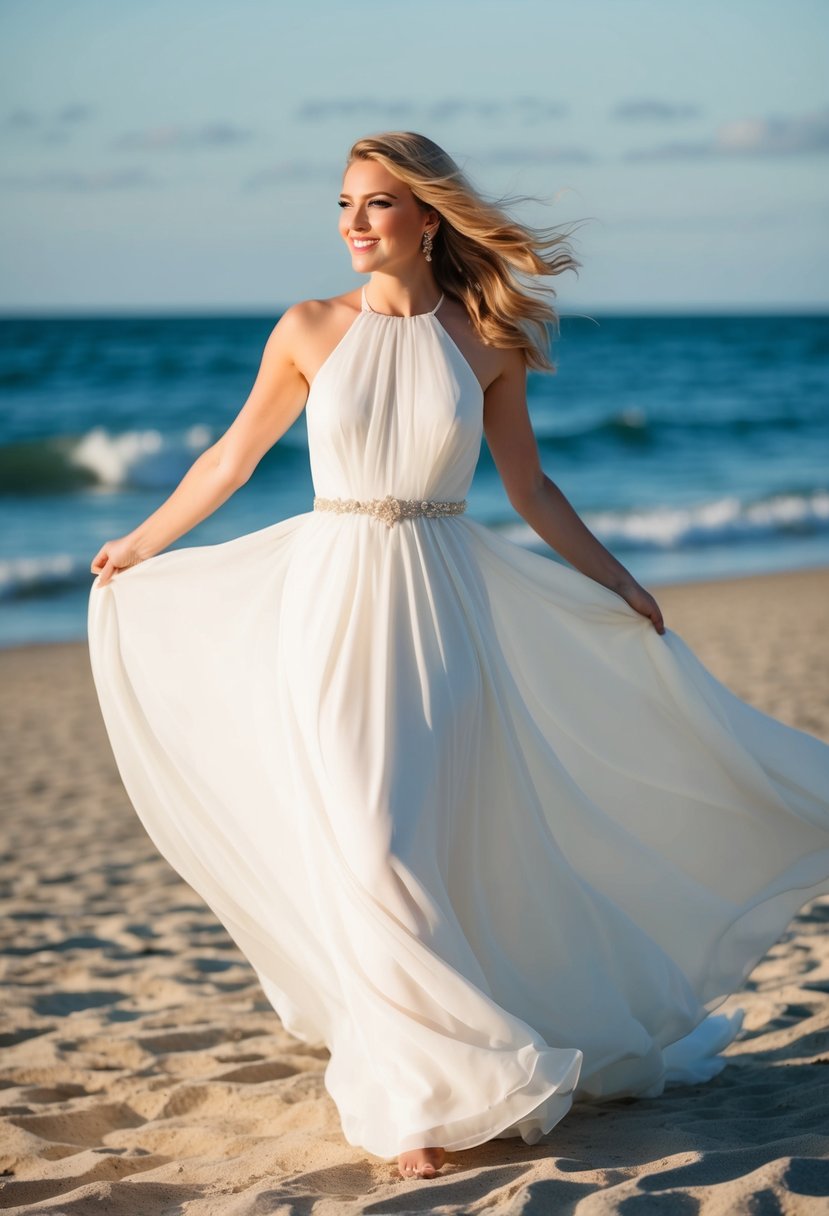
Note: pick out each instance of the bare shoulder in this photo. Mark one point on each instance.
(312, 328)
(489, 363)
(312, 312)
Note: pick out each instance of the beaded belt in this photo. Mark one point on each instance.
(390, 509)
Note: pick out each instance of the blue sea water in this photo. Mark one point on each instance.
(692, 446)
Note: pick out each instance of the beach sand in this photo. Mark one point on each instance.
(143, 1071)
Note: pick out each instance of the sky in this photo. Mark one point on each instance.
(186, 155)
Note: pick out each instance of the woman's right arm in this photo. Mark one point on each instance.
(275, 402)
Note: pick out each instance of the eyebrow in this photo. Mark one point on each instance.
(370, 195)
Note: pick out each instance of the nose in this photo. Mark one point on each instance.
(360, 219)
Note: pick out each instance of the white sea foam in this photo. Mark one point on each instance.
(720, 519)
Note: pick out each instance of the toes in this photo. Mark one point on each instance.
(421, 1169)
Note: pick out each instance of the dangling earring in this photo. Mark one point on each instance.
(427, 245)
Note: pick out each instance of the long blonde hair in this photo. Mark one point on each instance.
(478, 247)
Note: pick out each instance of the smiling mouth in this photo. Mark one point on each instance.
(364, 244)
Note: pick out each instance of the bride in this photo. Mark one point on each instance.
(479, 820)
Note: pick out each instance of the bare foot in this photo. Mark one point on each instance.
(421, 1162)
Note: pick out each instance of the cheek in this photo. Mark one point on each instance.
(393, 227)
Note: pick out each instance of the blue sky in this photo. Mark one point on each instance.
(174, 154)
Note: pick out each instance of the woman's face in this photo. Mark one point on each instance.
(377, 207)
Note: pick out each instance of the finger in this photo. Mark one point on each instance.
(100, 559)
(107, 571)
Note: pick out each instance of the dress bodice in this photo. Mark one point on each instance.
(394, 409)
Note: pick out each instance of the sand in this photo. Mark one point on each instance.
(143, 1071)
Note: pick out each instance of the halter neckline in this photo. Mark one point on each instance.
(366, 307)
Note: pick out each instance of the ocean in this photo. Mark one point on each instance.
(694, 447)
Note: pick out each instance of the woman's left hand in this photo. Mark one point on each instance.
(642, 601)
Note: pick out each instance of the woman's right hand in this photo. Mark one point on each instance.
(115, 555)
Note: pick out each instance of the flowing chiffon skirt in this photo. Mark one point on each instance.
(475, 824)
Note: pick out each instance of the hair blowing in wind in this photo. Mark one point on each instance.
(480, 250)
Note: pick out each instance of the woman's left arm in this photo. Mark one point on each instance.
(537, 498)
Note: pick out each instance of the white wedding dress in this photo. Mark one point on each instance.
(477, 826)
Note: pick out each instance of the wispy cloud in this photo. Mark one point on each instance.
(22, 119)
(445, 109)
(351, 107)
(86, 183)
(75, 113)
(39, 128)
(183, 139)
(653, 109)
(796, 135)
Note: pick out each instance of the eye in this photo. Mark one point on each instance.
(381, 202)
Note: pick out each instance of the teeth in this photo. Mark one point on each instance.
(363, 244)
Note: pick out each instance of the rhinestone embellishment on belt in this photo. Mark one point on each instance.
(390, 509)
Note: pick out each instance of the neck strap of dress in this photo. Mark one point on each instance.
(366, 307)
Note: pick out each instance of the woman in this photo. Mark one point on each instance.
(479, 821)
